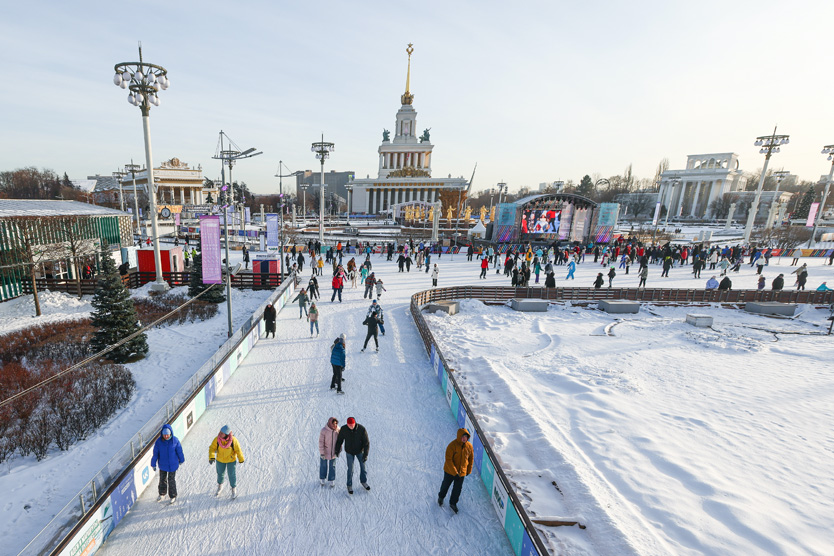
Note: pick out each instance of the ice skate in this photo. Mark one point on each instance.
(219, 489)
(332, 484)
(174, 499)
(350, 490)
(160, 497)
(234, 493)
(367, 486)
(454, 507)
(322, 482)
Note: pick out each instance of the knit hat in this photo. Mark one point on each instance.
(351, 421)
(226, 429)
(373, 302)
(342, 336)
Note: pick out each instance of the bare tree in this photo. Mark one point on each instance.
(662, 166)
(77, 236)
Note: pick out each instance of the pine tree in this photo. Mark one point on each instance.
(805, 203)
(115, 316)
(586, 186)
(196, 287)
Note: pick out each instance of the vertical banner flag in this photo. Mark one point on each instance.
(656, 214)
(271, 232)
(812, 215)
(177, 220)
(248, 215)
(608, 213)
(210, 247)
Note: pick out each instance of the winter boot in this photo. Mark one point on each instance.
(234, 494)
(454, 507)
(322, 482)
(367, 486)
(350, 490)
(439, 501)
(332, 484)
(219, 488)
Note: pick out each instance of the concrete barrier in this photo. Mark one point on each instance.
(448, 307)
(619, 306)
(700, 321)
(529, 305)
(770, 308)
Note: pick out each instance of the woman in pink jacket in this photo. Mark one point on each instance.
(327, 451)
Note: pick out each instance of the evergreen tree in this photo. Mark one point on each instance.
(586, 186)
(115, 316)
(805, 203)
(196, 287)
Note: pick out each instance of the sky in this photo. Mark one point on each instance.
(531, 92)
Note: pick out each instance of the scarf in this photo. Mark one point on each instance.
(227, 443)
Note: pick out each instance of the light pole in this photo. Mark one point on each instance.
(780, 175)
(502, 189)
(229, 156)
(132, 168)
(144, 81)
(322, 150)
(674, 181)
(280, 177)
(829, 150)
(769, 144)
(304, 187)
(349, 188)
(118, 174)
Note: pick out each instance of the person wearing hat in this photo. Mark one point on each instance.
(459, 458)
(167, 453)
(225, 449)
(370, 282)
(434, 274)
(327, 451)
(337, 360)
(372, 322)
(355, 438)
(376, 309)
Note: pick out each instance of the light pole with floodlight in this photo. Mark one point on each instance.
(769, 144)
(132, 169)
(280, 177)
(829, 150)
(118, 175)
(144, 81)
(304, 187)
(349, 189)
(322, 150)
(780, 175)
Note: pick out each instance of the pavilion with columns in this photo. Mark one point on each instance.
(689, 193)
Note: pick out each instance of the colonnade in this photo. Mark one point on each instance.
(381, 198)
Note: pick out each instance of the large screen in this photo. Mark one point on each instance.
(540, 221)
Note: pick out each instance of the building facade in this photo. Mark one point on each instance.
(689, 193)
(404, 173)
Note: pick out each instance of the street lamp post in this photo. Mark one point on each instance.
(304, 187)
(132, 168)
(769, 144)
(144, 81)
(674, 182)
(118, 174)
(829, 150)
(322, 150)
(780, 175)
(349, 188)
(280, 177)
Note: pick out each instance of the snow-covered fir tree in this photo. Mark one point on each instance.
(114, 315)
(196, 286)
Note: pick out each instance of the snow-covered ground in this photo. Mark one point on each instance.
(33, 492)
(279, 399)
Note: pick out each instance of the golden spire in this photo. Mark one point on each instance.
(407, 97)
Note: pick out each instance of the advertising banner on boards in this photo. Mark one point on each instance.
(210, 249)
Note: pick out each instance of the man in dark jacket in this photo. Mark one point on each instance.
(459, 458)
(725, 284)
(355, 438)
(778, 283)
(372, 322)
(370, 282)
(269, 320)
(167, 453)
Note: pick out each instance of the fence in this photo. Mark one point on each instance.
(83, 524)
(252, 281)
(517, 524)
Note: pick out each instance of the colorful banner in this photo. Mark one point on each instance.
(272, 232)
(607, 220)
(177, 219)
(812, 215)
(567, 218)
(210, 247)
(247, 215)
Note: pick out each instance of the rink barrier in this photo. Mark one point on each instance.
(523, 536)
(88, 519)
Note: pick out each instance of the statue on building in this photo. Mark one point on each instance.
(492, 214)
(483, 213)
(468, 215)
(425, 135)
(449, 213)
(386, 135)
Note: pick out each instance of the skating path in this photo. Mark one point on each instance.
(277, 402)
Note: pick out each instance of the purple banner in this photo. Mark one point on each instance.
(177, 219)
(210, 248)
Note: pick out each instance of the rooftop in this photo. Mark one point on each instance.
(11, 208)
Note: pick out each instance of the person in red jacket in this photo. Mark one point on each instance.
(484, 267)
(338, 283)
(459, 458)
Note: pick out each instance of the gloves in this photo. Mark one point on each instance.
(211, 461)
(154, 468)
(365, 459)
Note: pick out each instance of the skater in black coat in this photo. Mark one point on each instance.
(372, 322)
(355, 439)
(269, 320)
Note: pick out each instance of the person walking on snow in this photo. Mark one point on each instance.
(167, 454)
(313, 317)
(337, 360)
(459, 458)
(225, 449)
(269, 320)
(355, 439)
(302, 302)
(327, 450)
(435, 271)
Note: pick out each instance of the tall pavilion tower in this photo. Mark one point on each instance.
(407, 155)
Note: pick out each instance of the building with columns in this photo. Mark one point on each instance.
(404, 173)
(688, 193)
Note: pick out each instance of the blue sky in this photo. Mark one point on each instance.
(531, 91)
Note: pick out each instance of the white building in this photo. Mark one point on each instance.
(688, 193)
(404, 166)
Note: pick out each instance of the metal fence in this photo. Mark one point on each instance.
(65, 521)
(251, 281)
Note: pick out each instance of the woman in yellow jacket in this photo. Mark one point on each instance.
(459, 458)
(225, 448)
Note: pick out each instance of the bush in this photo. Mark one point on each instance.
(156, 306)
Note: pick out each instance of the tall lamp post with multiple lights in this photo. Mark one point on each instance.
(280, 177)
(780, 175)
(322, 150)
(829, 150)
(769, 144)
(349, 189)
(132, 169)
(118, 175)
(144, 81)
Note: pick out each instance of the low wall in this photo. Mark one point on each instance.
(88, 519)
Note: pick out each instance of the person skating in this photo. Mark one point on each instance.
(726, 284)
(302, 302)
(372, 322)
(313, 288)
(379, 289)
(643, 273)
(599, 281)
(459, 458)
(327, 451)
(801, 276)
(572, 269)
(376, 309)
(434, 273)
(611, 274)
(484, 267)
(167, 454)
(778, 283)
(370, 282)
(338, 283)
(313, 317)
(337, 360)
(355, 439)
(550, 280)
(269, 320)
(225, 449)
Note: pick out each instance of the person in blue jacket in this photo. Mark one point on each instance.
(167, 453)
(337, 359)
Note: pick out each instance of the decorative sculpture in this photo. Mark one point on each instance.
(492, 214)
(386, 135)
(483, 213)
(467, 215)
(425, 135)
(449, 213)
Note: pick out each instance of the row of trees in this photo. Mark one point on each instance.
(32, 183)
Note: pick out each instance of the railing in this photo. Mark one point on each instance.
(251, 281)
(68, 521)
(502, 294)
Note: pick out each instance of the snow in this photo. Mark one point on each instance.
(663, 438)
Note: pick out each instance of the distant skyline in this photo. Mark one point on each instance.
(532, 92)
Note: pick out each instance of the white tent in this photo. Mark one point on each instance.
(479, 230)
